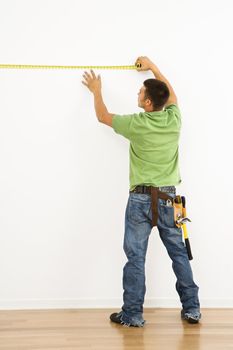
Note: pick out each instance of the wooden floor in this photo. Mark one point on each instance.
(79, 329)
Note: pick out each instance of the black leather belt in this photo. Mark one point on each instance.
(147, 189)
(155, 193)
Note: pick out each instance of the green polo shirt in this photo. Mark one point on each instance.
(154, 145)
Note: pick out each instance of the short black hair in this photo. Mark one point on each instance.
(157, 91)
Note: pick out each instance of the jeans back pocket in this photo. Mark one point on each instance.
(139, 208)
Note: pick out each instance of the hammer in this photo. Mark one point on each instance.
(183, 223)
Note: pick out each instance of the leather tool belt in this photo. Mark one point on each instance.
(156, 192)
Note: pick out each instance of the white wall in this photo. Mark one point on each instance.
(64, 177)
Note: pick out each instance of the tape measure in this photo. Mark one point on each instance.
(31, 66)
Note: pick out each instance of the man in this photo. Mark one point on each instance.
(154, 173)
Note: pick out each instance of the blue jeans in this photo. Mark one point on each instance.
(138, 226)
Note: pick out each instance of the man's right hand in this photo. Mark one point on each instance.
(145, 63)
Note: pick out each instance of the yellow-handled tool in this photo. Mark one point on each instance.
(181, 219)
(185, 232)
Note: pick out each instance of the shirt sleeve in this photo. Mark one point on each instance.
(122, 124)
(175, 110)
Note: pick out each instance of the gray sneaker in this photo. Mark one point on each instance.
(190, 317)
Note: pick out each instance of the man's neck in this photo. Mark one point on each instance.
(152, 110)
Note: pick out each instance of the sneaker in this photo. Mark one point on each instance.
(116, 317)
(191, 318)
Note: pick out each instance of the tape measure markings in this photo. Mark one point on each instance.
(31, 66)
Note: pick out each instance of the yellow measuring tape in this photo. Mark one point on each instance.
(31, 66)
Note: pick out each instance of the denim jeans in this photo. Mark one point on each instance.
(138, 226)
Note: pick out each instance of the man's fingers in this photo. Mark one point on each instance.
(93, 74)
(87, 74)
(86, 78)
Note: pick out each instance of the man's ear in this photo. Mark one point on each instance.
(148, 102)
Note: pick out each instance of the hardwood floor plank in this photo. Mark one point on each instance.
(82, 329)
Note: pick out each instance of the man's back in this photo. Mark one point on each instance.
(154, 144)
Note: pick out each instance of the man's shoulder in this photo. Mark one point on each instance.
(172, 107)
(130, 115)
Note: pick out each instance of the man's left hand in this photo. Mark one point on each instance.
(93, 83)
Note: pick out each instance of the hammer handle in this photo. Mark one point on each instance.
(187, 243)
(188, 249)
